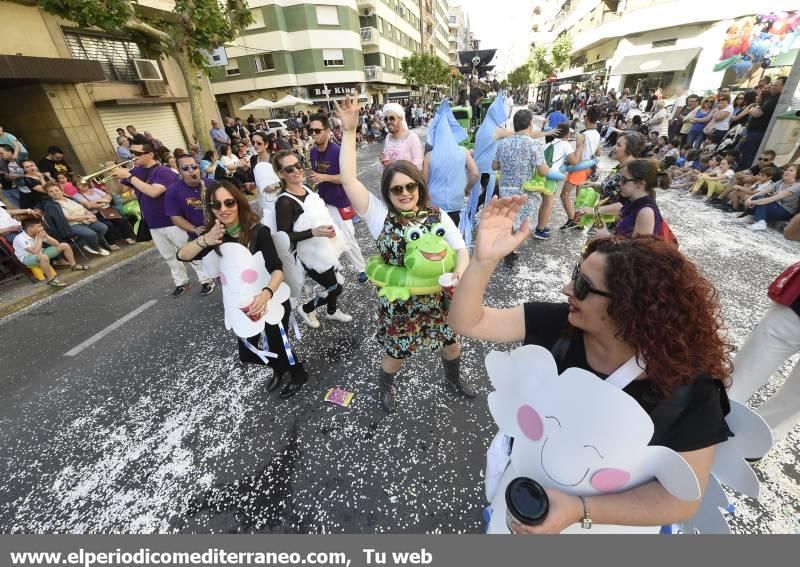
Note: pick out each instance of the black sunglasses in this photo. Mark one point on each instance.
(624, 179)
(229, 204)
(138, 153)
(397, 190)
(291, 168)
(582, 286)
(190, 167)
(315, 131)
(763, 159)
(390, 119)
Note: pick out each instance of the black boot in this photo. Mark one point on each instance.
(298, 378)
(386, 381)
(275, 381)
(452, 373)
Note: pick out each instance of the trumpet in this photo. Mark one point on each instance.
(87, 178)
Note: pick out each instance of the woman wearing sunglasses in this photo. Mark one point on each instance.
(639, 214)
(629, 297)
(231, 219)
(304, 217)
(420, 322)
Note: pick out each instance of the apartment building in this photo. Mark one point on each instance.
(458, 38)
(637, 44)
(73, 88)
(435, 27)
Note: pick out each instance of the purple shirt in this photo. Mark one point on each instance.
(153, 207)
(327, 162)
(182, 200)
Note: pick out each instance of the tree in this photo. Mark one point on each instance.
(541, 65)
(561, 50)
(186, 34)
(521, 76)
(425, 70)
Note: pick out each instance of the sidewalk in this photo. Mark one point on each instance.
(22, 292)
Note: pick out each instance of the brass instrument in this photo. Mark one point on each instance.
(88, 178)
(598, 218)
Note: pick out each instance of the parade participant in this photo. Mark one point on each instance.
(517, 158)
(399, 218)
(230, 215)
(400, 143)
(639, 215)
(303, 216)
(263, 154)
(325, 175)
(587, 146)
(635, 297)
(150, 180)
(184, 205)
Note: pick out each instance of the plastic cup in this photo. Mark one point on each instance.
(245, 305)
(448, 282)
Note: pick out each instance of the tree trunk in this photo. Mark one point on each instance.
(200, 125)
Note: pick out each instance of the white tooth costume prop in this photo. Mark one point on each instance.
(599, 446)
(293, 271)
(317, 253)
(243, 275)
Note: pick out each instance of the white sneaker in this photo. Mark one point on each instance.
(340, 316)
(760, 225)
(91, 250)
(103, 251)
(309, 319)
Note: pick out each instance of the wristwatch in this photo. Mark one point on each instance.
(586, 521)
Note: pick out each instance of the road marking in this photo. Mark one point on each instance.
(116, 324)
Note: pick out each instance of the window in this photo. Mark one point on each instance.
(232, 68)
(327, 15)
(333, 57)
(115, 55)
(380, 25)
(263, 62)
(665, 42)
(453, 20)
(258, 19)
(383, 60)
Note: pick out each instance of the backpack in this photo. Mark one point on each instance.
(539, 183)
(666, 233)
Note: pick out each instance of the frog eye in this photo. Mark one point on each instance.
(413, 234)
(438, 230)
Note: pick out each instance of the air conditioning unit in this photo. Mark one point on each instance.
(147, 70)
(154, 88)
(369, 11)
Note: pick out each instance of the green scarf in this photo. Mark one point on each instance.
(234, 230)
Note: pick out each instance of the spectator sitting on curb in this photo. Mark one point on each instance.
(30, 250)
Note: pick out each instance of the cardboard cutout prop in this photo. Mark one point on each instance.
(267, 187)
(599, 447)
(317, 253)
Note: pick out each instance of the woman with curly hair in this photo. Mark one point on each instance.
(628, 297)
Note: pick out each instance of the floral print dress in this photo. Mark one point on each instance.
(420, 322)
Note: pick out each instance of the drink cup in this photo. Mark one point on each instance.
(448, 282)
(245, 305)
(526, 502)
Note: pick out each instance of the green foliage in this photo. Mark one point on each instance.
(561, 49)
(104, 14)
(424, 69)
(521, 76)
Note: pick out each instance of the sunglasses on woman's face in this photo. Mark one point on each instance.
(410, 188)
(190, 167)
(289, 169)
(582, 286)
(258, 143)
(229, 204)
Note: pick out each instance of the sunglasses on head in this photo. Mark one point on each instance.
(315, 131)
(397, 190)
(582, 286)
(229, 204)
(190, 167)
(292, 168)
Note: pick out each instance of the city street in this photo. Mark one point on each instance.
(124, 410)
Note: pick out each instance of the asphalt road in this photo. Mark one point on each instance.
(156, 427)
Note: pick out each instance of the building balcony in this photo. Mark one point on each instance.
(369, 36)
(373, 73)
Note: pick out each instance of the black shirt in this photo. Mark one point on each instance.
(287, 211)
(53, 167)
(760, 123)
(701, 422)
(260, 241)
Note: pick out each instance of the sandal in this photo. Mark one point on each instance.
(113, 247)
(130, 241)
(79, 267)
(55, 282)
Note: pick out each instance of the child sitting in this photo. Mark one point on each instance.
(740, 193)
(715, 181)
(30, 250)
(688, 178)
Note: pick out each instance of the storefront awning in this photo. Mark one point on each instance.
(658, 62)
(569, 73)
(397, 95)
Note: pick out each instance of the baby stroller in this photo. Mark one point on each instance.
(731, 140)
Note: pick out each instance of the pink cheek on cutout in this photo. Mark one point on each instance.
(609, 480)
(530, 423)
(249, 276)
(223, 279)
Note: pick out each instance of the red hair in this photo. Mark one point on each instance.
(666, 310)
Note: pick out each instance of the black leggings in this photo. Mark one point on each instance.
(327, 280)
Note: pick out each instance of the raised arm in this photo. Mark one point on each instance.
(468, 316)
(356, 192)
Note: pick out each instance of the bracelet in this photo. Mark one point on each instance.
(271, 293)
(203, 244)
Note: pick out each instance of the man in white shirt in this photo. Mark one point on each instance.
(9, 226)
(401, 143)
